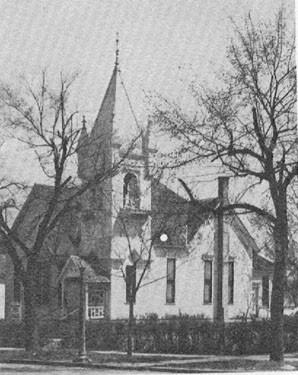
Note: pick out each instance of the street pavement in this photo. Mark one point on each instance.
(21, 369)
(184, 364)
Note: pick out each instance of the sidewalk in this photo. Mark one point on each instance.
(157, 362)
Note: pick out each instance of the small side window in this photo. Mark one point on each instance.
(171, 278)
(130, 280)
(231, 283)
(265, 291)
(207, 281)
(131, 192)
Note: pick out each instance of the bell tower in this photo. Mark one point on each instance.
(129, 190)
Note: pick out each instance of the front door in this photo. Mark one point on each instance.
(71, 298)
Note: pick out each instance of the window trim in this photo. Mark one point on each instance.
(17, 290)
(265, 301)
(171, 281)
(208, 282)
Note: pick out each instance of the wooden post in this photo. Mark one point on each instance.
(82, 354)
(223, 199)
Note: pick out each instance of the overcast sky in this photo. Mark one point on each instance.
(161, 42)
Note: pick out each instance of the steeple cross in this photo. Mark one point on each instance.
(117, 49)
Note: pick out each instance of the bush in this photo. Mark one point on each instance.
(11, 334)
(291, 333)
(176, 334)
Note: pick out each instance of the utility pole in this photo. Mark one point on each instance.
(82, 354)
(219, 313)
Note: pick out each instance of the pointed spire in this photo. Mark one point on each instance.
(84, 122)
(103, 124)
(83, 136)
(83, 150)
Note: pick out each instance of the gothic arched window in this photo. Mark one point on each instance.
(131, 192)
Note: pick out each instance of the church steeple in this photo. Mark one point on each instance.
(103, 125)
(100, 139)
(83, 150)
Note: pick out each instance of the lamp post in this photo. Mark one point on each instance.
(82, 353)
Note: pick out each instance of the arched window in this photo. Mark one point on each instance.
(131, 193)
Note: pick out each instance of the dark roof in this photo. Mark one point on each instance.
(36, 202)
(34, 208)
(169, 214)
(90, 275)
(262, 264)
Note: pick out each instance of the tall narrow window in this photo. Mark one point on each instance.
(171, 276)
(231, 283)
(207, 281)
(130, 283)
(17, 290)
(131, 194)
(265, 291)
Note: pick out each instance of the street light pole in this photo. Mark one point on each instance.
(82, 354)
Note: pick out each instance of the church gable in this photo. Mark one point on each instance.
(72, 270)
(65, 236)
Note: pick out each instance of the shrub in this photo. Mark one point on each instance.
(11, 334)
(174, 334)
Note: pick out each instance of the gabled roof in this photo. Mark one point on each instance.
(169, 214)
(243, 234)
(35, 204)
(259, 262)
(195, 215)
(34, 209)
(72, 269)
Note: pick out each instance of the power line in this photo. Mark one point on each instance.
(129, 102)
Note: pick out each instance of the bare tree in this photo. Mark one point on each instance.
(135, 266)
(138, 236)
(48, 128)
(249, 125)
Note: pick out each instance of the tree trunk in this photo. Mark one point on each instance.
(130, 328)
(279, 281)
(30, 319)
(30, 314)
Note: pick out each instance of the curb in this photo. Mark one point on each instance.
(110, 366)
(74, 364)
